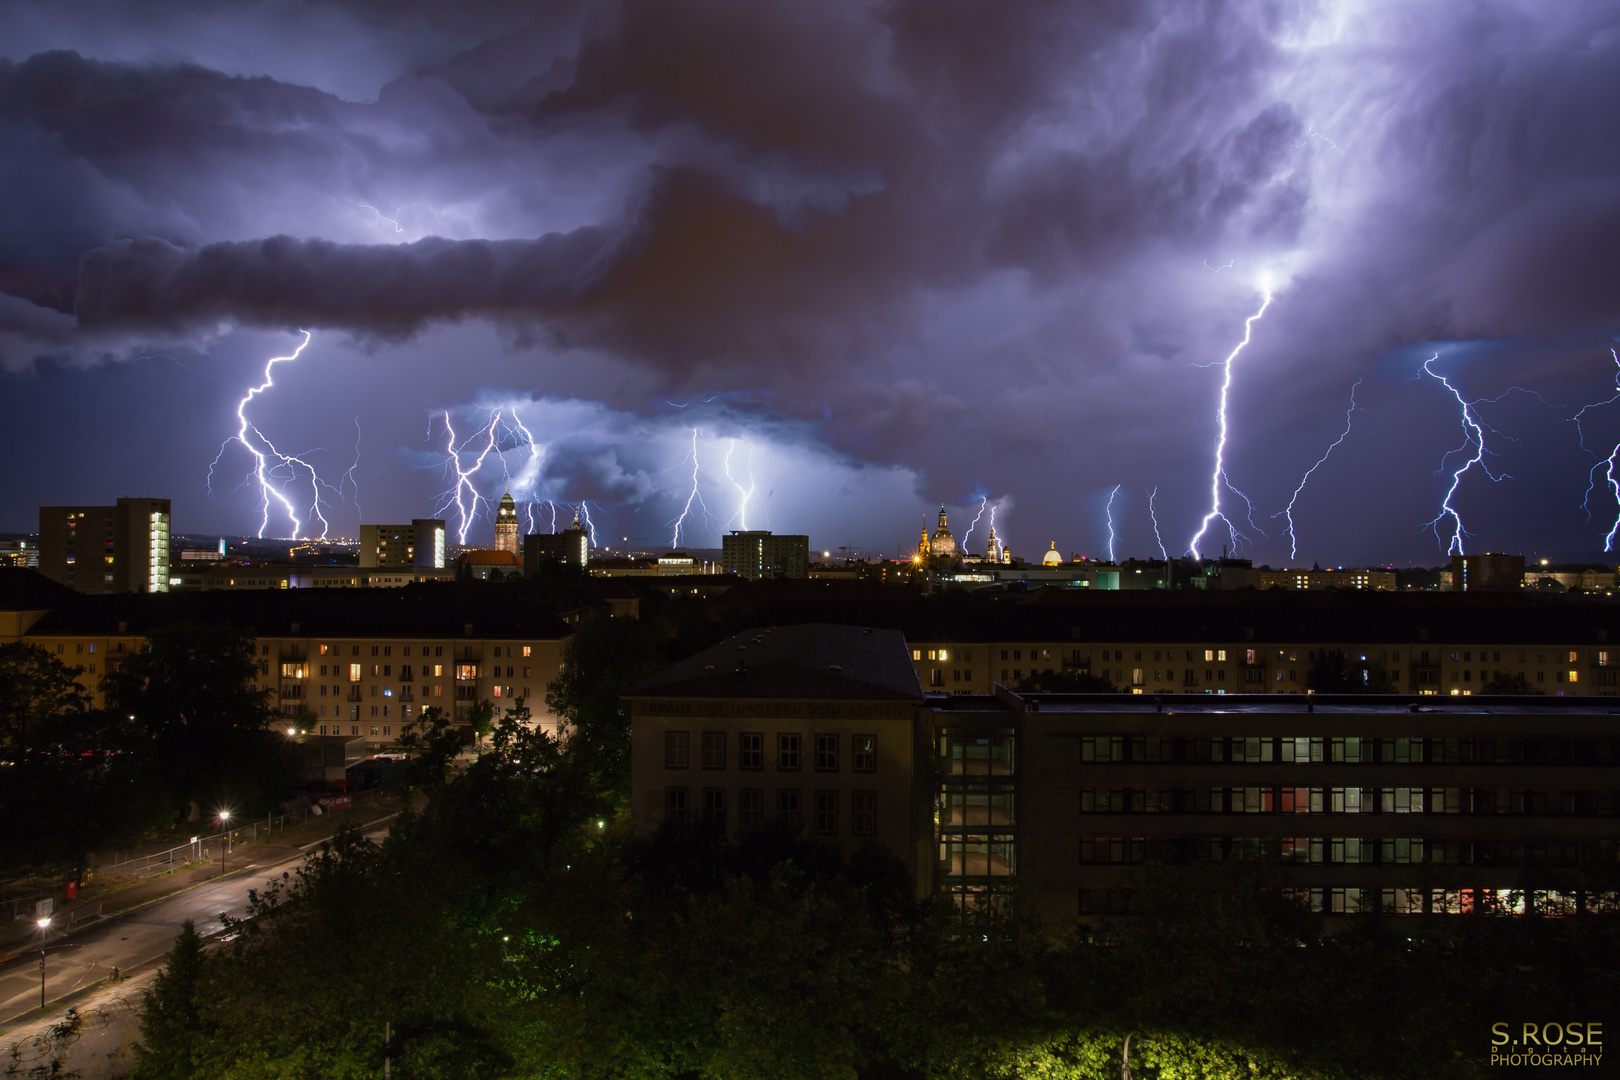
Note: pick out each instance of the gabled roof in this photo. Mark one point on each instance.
(816, 660)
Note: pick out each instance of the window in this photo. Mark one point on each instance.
(526, 650)
(374, 729)
(751, 807)
(751, 750)
(354, 672)
(863, 813)
(714, 749)
(714, 806)
(675, 804)
(826, 753)
(675, 749)
(827, 813)
(863, 753)
(787, 804)
(936, 677)
(787, 753)
(388, 729)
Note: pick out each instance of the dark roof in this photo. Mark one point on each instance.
(819, 660)
(435, 609)
(1189, 616)
(30, 590)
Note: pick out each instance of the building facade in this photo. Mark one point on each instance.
(107, 549)
(506, 527)
(814, 723)
(760, 554)
(571, 547)
(1406, 805)
(419, 545)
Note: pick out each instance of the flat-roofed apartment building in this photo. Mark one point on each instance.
(1411, 805)
(363, 662)
(107, 549)
(1266, 643)
(813, 723)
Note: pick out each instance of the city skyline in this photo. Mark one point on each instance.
(1329, 285)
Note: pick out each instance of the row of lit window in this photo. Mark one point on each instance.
(1349, 749)
(1350, 900)
(1356, 800)
(751, 751)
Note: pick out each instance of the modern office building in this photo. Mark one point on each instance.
(756, 554)
(419, 545)
(571, 547)
(1408, 805)
(107, 549)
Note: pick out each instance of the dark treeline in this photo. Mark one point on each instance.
(512, 926)
(182, 724)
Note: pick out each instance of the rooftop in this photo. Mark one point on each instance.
(817, 660)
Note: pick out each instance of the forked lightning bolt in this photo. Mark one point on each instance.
(1473, 435)
(695, 496)
(975, 523)
(744, 494)
(1218, 478)
(1349, 418)
(1153, 513)
(1110, 511)
(264, 473)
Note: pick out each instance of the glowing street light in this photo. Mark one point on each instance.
(225, 819)
(43, 923)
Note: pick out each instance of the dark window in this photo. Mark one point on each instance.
(863, 813)
(827, 813)
(787, 753)
(787, 804)
(714, 806)
(750, 750)
(714, 749)
(936, 677)
(675, 749)
(863, 753)
(750, 807)
(675, 804)
(826, 753)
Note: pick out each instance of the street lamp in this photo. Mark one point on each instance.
(43, 923)
(225, 819)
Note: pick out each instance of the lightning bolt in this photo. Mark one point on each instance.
(1110, 511)
(675, 540)
(584, 509)
(464, 489)
(1349, 418)
(1580, 434)
(266, 474)
(394, 221)
(1153, 513)
(348, 477)
(1473, 435)
(975, 523)
(1218, 476)
(741, 516)
(994, 555)
(1614, 484)
(1216, 270)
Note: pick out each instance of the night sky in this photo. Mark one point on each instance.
(866, 258)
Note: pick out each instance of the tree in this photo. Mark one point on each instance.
(199, 723)
(1065, 682)
(67, 780)
(172, 1030)
(435, 741)
(1333, 673)
(1504, 682)
(603, 659)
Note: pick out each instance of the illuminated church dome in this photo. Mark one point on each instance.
(942, 543)
(1053, 557)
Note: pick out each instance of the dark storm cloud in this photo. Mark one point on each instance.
(1019, 223)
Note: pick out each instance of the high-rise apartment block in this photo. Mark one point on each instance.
(419, 545)
(571, 547)
(758, 554)
(107, 549)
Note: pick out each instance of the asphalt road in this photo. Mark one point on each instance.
(87, 956)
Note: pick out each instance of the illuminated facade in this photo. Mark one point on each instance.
(420, 544)
(756, 554)
(107, 549)
(506, 527)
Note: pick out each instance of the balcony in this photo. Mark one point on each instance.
(354, 693)
(292, 692)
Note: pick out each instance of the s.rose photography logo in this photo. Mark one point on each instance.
(1573, 1043)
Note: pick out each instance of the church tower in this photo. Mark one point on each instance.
(990, 553)
(943, 543)
(506, 526)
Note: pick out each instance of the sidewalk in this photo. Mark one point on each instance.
(112, 898)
